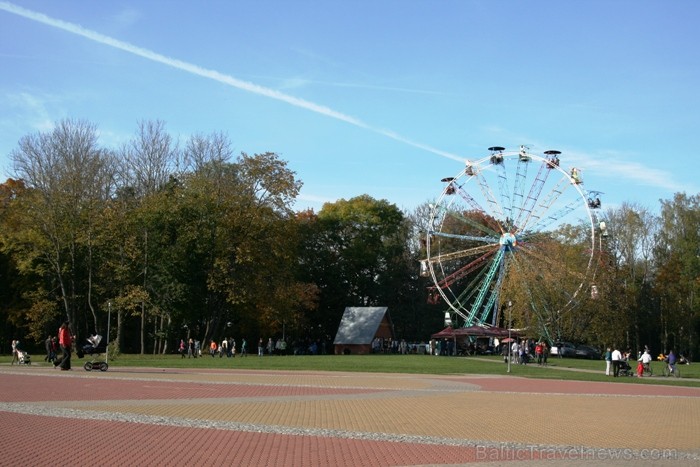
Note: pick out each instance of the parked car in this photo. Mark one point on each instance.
(563, 349)
(586, 351)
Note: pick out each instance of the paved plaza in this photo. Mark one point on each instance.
(149, 416)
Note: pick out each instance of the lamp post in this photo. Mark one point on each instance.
(510, 325)
(109, 318)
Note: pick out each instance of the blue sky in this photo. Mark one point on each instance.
(373, 97)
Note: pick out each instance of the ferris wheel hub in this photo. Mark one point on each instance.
(508, 240)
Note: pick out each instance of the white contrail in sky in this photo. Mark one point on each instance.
(214, 75)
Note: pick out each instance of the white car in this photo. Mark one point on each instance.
(563, 349)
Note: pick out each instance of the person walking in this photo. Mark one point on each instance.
(223, 348)
(54, 348)
(616, 358)
(65, 340)
(645, 360)
(14, 352)
(48, 344)
(545, 352)
(608, 361)
(515, 352)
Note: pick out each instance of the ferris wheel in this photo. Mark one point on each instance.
(513, 228)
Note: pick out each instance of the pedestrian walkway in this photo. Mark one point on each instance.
(556, 365)
(149, 416)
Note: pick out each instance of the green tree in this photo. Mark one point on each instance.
(236, 228)
(149, 163)
(356, 252)
(14, 286)
(424, 314)
(677, 257)
(68, 178)
(631, 244)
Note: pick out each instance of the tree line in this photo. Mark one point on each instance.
(174, 240)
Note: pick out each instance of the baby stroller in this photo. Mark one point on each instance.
(93, 349)
(625, 368)
(23, 358)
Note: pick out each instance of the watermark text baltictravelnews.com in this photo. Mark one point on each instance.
(505, 452)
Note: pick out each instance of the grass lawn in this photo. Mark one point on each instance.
(565, 369)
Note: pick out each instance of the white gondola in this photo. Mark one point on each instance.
(448, 319)
(424, 270)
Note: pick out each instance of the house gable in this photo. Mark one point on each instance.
(360, 326)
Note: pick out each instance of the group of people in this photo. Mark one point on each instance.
(522, 352)
(617, 362)
(227, 347)
(63, 342)
(51, 345)
(392, 346)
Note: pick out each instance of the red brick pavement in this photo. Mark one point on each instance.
(36, 440)
(51, 418)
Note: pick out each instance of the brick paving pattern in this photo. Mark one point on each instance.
(140, 416)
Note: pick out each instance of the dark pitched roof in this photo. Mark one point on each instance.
(359, 324)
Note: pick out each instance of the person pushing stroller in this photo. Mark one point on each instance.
(23, 357)
(65, 340)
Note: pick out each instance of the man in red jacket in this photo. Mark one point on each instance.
(65, 340)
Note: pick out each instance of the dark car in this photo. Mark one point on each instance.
(586, 351)
(563, 349)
